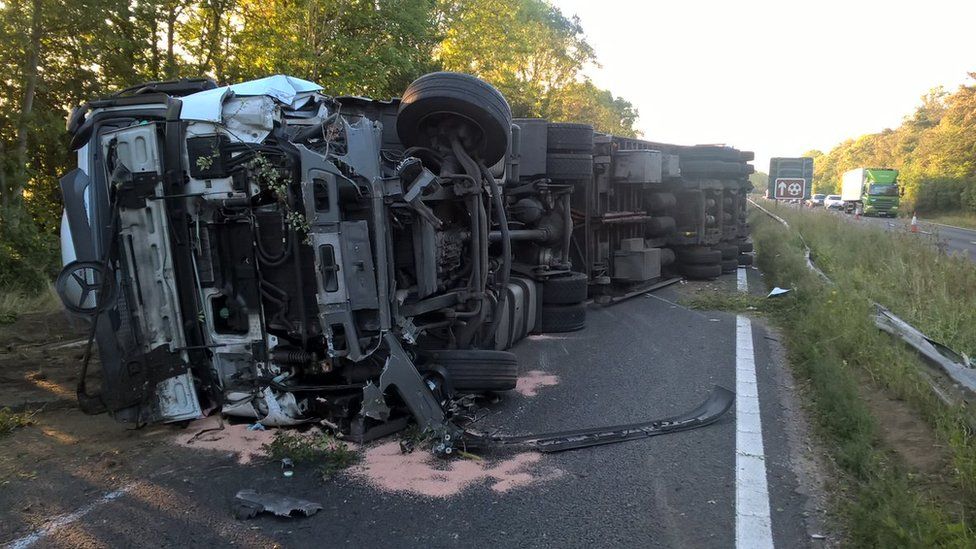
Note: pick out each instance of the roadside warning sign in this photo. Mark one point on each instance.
(788, 188)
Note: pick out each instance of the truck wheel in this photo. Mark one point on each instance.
(557, 319)
(565, 289)
(709, 152)
(730, 265)
(745, 259)
(711, 168)
(745, 246)
(729, 251)
(747, 156)
(698, 255)
(567, 137)
(476, 371)
(569, 166)
(701, 272)
(442, 96)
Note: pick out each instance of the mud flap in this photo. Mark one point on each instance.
(718, 402)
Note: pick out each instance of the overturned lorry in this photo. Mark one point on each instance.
(268, 252)
(642, 212)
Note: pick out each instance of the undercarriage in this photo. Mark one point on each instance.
(267, 252)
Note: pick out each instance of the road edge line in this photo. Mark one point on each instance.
(753, 524)
(61, 521)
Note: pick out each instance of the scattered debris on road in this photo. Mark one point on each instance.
(249, 503)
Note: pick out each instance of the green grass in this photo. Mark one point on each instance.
(326, 452)
(834, 346)
(11, 421)
(957, 219)
(13, 303)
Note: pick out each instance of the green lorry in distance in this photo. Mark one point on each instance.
(871, 191)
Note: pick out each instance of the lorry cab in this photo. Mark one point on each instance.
(871, 191)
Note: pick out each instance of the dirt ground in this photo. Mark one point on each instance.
(65, 460)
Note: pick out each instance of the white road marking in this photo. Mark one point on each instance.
(741, 280)
(753, 525)
(61, 521)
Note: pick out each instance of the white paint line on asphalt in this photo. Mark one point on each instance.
(61, 521)
(753, 526)
(741, 280)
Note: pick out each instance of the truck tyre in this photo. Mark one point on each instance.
(747, 156)
(440, 96)
(569, 166)
(556, 319)
(698, 255)
(711, 168)
(476, 371)
(701, 272)
(730, 265)
(745, 246)
(568, 137)
(565, 289)
(746, 259)
(709, 152)
(729, 251)
(659, 226)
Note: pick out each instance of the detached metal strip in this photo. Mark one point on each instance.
(951, 363)
(718, 402)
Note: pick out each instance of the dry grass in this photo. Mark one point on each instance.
(959, 219)
(14, 303)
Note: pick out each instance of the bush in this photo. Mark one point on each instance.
(944, 194)
(29, 258)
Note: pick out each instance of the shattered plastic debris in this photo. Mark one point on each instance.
(777, 291)
(248, 503)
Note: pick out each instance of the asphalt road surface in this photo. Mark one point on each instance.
(750, 480)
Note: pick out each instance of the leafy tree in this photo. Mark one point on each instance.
(934, 148)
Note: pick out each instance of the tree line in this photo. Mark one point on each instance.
(57, 54)
(934, 150)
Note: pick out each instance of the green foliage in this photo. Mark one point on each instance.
(934, 149)
(316, 448)
(760, 182)
(28, 256)
(834, 345)
(535, 55)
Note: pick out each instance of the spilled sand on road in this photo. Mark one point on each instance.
(421, 473)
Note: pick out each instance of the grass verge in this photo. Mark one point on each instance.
(835, 347)
(13, 303)
(328, 454)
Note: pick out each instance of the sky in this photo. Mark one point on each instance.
(778, 78)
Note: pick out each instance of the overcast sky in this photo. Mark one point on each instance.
(780, 77)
